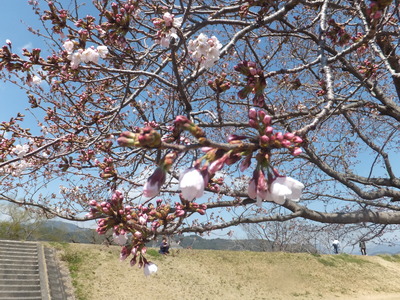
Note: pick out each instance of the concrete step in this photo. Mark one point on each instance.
(17, 254)
(24, 282)
(4, 267)
(19, 287)
(22, 298)
(22, 276)
(13, 261)
(18, 244)
(18, 271)
(20, 295)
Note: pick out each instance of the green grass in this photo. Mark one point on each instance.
(391, 258)
(153, 253)
(336, 260)
(327, 262)
(350, 259)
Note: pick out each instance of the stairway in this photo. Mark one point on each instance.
(23, 273)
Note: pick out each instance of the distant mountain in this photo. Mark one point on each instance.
(383, 249)
(63, 225)
(197, 242)
(60, 231)
(66, 232)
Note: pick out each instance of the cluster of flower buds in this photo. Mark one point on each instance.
(363, 47)
(323, 91)
(134, 226)
(376, 8)
(183, 123)
(219, 157)
(368, 69)
(147, 137)
(34, 56)
(86, 155)
(290, 82)
(268, 138)
(337, 33)
(255, 84)
(119, 17)
(11, 61)
(264, 4)
(181, 209)
(219, 84)
(107, 168)
(56, 16)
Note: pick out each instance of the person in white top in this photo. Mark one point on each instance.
(335, 245)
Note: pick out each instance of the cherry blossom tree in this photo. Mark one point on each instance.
(163, 117)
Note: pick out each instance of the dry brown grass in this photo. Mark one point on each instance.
(205, 274)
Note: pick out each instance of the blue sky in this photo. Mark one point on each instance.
(15, 17)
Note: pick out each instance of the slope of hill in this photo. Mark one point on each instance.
(206, 274)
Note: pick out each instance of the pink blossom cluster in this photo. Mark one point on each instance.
(255, 82)
(206, 50)
(270, 139)
(167, 26)
(88, 55)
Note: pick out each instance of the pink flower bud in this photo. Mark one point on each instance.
(261, 114)
(264, 139)
(179, 213)
(93, 203)
(279, 136)
(253, 124)
(253, 113)
(267, 120)
(297, 151)
(286, 143)
(297, 140)
(288, 135)
(268, 130)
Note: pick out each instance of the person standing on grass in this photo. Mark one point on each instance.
(335, 245)
(363, 247)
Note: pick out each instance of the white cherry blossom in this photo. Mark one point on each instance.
(191, 183)
(149, 269)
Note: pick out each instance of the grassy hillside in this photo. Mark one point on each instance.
(208, 274)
